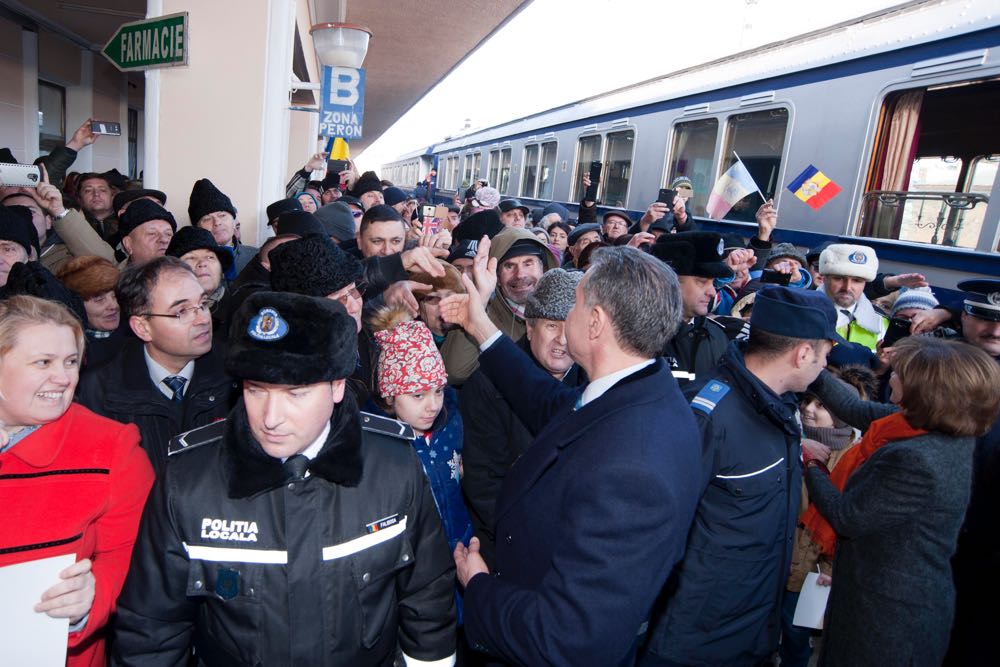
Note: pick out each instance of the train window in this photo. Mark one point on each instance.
(759, 139)
(547, 170)
(504, 179)
(691, 155)
(477, 165)
(930, 177)
(529, 177)
(588, 149)
(618, 167)
(453, 172)
(467, 172)
(493, 168)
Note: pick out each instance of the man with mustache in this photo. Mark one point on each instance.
(171, 379)
(520, 260)
(846, 269)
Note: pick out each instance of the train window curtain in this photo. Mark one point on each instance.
(900, 151)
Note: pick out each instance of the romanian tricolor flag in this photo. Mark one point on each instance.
(813, 187)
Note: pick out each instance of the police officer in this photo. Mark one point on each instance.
(978, 550)
(697, 258)
(725, 607)
(296, 531)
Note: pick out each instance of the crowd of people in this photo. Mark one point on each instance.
(511, 435)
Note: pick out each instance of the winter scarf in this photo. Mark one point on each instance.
(836, 438)
(880, 432)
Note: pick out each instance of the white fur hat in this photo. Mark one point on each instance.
(844, 259)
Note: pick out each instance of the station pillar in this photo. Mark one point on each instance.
(224, 116)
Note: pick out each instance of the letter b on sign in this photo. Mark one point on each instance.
(342, 97)
(344, 84)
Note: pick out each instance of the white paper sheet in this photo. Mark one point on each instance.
(812, 603)
(27, 637)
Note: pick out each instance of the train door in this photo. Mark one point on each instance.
(934, 163)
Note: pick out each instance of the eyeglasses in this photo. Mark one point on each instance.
(353, 292)
(185, 315)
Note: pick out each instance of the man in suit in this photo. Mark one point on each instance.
(593, 517)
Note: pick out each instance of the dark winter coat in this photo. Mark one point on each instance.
(341, 568)
(897, 522)
(590, 521)
(122, 390)
(494, 439)
(725, 603)
(696, 349)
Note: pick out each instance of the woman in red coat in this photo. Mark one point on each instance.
(70, 481)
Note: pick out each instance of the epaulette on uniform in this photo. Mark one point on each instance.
(197, 437)
(387, 426)
(709, 397)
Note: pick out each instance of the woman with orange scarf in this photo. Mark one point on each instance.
(892, 509)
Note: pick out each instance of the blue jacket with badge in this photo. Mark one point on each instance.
(724, 604)
(589, 521)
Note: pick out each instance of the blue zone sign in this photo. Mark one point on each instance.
(341, 111)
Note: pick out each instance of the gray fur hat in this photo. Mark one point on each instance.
(554, 295)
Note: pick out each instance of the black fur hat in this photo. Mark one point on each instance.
(478, 225)
(693, 254)
(195, 238)
(291, 339)
(281, 206)
(205, 199)
(313, 265)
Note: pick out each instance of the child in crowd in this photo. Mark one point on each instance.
(820, 428)
(413, 388)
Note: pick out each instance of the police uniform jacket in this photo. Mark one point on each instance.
(254, 568)
(727, 599)
(696, 349)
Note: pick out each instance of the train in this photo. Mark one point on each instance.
(900, 108)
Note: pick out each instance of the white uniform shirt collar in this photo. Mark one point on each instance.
(312, 451)
(598, 387)
(158, 373)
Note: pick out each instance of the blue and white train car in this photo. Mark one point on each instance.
(900, 108)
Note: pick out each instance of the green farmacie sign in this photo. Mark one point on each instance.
(155, 42)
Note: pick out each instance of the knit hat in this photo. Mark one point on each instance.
(291, 339)
(89, 276)
(915, 297)
(337, 220)
(488, 197)
(281, 206)
(367, 182)
(195, 238)
(313, 265)
(408, 361)
(681, 182)
(126, 196)
(139, 213)
(786, 251)
(205, 199)
(464, 249)
(394, 196)
(16, 226)
(554, 295)
(298, 223)
(845, 259)
(475, 227)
